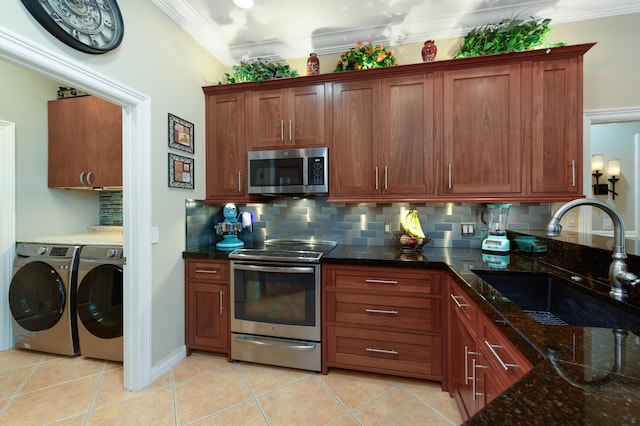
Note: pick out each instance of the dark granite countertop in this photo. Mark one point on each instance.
(580, 388)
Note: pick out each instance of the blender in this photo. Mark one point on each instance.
(229, 229)
(497, 240)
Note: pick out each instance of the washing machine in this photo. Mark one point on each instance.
(42, 297)
(99, 302)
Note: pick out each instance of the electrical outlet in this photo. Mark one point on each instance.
(387, 228)
(467, 229)
(607, 223)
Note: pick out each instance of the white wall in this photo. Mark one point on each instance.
(40, 211)
(158, 59)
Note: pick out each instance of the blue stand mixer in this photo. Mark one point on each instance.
(229, 229)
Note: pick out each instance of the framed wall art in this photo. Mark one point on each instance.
(180, 134)
(180, 172)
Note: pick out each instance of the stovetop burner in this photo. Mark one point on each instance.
(286, 250)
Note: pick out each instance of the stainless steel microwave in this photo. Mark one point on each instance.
(289, 171)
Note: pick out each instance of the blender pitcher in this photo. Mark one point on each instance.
(497, 225)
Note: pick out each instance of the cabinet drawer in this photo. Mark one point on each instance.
(506, 363)
(419, 314)
(208, 270)
(419, 355)
(385, 279)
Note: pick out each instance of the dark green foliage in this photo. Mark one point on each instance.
(508, 35)
(259, 71)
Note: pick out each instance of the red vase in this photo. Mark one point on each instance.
(313, 64)
(429, 51)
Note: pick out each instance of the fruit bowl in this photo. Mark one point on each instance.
(409, 243)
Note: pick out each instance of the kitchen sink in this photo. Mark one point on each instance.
(550, 299)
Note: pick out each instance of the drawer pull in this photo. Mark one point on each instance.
(495, 354)
(206, 271)
(455, 299)
(381, 311)
(382, 351)
(372, 281)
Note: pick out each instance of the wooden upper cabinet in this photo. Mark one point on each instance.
(226, 151)
(85, 143)
(482, 131)
(408, 150)
(383, 144)
(289, 117)
(557, 127)
(354, 149)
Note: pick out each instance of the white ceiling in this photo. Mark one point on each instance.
(286, 29)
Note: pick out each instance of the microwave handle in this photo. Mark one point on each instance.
(239, 181)
(277, 269)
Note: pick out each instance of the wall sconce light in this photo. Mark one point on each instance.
(597, 171)
(613, 167)
(597, 167)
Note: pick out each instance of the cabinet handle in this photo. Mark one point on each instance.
(450, 175)
(475, 379)
(281, 130)
(466, 365)
(376, 178)
(290, 131)
(373, 281)
(239, 181)
(221, 302)
(495, 354)
(89, 178)
(381, 311)
(573, 172)
(460, 305)
(206, 271)
(382, 351)
(82, 178)
(386, 178)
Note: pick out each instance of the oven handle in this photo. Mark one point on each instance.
(261, 341)
(279, 269)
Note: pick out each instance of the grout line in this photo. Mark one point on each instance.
(349, 412)
(253, 394)
(426, 404)
(95, 393)
(12, 398)
(172, 382)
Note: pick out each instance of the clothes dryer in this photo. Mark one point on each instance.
(42, 298)
(99, 302)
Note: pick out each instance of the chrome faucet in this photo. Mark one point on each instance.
(619, 277)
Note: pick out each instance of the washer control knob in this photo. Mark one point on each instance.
(112, 252)
(41, 250)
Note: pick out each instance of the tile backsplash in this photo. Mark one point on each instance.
(356, 224)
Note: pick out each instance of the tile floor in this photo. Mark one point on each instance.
(205, 389)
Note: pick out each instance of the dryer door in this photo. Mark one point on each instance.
(37, 296)
(99, 301)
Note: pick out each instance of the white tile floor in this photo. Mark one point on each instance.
(205, 389)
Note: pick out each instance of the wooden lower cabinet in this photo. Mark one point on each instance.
(206, 305)
(383, 320)
(483, 362)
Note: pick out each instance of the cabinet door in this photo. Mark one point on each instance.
(292, 117)
(482, 132)
(85, 143)
(355, 171)
(268, 116)
(557, 127)
(407, 136)
(306, 115)
(463, 365)
(207, 323)
(226, 153)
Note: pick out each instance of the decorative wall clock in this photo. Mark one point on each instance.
(91, 26)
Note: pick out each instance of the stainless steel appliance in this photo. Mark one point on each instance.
(275, 303)
(42, 298)
(99, 302)
(289, 171)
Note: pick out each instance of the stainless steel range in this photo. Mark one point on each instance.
(275, 303)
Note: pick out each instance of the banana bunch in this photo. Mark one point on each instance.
(411, 224)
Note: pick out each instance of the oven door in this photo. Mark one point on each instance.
(276, 300)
